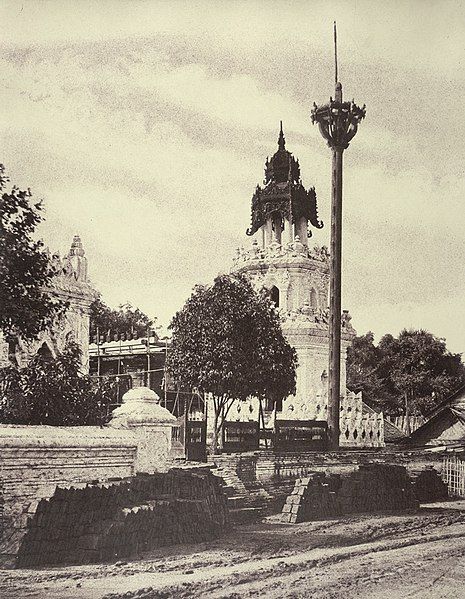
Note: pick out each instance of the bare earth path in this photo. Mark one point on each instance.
(386, 556)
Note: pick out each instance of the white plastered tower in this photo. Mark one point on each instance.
(297, 279)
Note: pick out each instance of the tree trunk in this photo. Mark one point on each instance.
(214, 447)
(12, 347)
(407, 414)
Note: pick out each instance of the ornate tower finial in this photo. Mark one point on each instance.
(77, 259)
(281, 139)
(76, 247)
(283, 198)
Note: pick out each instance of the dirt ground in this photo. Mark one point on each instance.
(419, 555)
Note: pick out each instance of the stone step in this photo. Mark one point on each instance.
(246, 515)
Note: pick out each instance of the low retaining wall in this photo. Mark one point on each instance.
(34, 460)
(267, 477)
(98, 523)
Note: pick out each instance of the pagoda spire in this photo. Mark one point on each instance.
(281, 138)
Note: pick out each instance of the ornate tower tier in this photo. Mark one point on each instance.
(297, 278)
(283, 205)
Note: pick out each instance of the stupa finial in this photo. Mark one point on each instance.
(281, 139)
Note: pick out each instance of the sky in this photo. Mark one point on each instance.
(144, 127)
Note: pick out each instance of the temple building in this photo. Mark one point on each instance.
(71, 284)
(296, 275)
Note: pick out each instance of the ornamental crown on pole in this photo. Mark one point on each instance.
(338, 121)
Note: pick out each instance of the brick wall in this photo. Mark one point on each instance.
(34, 460)
(265, 478)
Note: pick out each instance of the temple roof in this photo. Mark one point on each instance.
(283, 192)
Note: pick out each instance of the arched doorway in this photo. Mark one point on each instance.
(45, 352)
(274, 295)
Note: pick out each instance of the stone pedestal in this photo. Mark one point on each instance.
(151, 425)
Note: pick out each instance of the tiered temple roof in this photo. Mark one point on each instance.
(283, 193)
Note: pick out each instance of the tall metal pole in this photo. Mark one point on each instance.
(338, 122)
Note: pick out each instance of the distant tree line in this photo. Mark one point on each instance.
(408, 374)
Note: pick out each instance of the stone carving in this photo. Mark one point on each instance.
(281, 252)
(359, 429)
(150, 423)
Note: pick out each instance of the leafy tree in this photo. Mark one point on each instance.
(408, 374)
(419, 370)
(363, 365)
(126, 320)
(227, 341)
(26, 304)
(54, 392)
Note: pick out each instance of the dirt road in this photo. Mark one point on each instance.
(418, 555)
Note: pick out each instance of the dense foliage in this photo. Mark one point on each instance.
(407, 374)
(54, 391)
(126, 320)
(227, 341)
(26, 305)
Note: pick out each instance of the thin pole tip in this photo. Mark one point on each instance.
(335, 53)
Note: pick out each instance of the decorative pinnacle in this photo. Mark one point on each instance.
(338, 121)
(76, 247)
(281, 139)
(335, 53)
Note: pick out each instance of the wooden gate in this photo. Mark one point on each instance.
(296, 435)
(240, 436)
(196, 440)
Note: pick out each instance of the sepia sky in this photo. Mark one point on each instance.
(144, 126)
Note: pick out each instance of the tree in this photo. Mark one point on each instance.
(55, 392)
(363, 364)
(126, 320)
(419, 370)
(408, 374)
(227, 341)
(27, 305)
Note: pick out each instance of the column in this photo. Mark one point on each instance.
(268, 231)
(300, 228)
(334, 390)
(277, 230)
(288, 230)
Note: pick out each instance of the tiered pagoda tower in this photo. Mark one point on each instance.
(297, 277)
